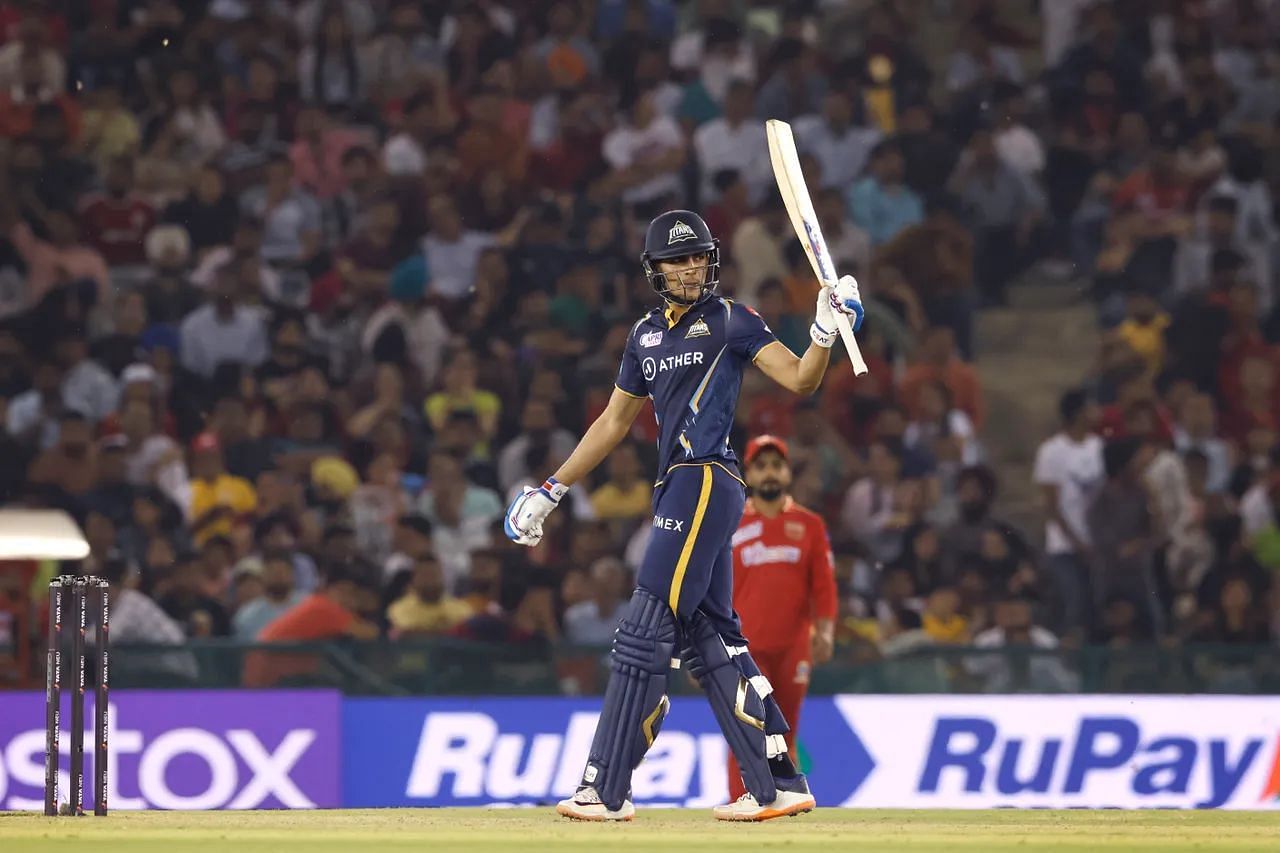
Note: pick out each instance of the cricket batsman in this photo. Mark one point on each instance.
(784, 584)
(688, 356)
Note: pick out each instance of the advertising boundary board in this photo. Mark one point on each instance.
(189, 749)
(315, 749)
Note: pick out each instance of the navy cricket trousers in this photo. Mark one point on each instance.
(689, 560)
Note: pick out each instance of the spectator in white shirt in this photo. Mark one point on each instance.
(593, 622)
(278, 595)
(405, 152)
(461, 516)
(223, 330)
(735, 141)
(151, 457)
(538, 427)
(717, 53)
(33, 415)
(1015, 628)
(292, 219)
(452, 251)
(840, 144)
(1196, 429)
(136, 619)
(1016, 143)
(87, 387)
(1069, 472)
(30, 38)
(645, 153)
(1259, 504)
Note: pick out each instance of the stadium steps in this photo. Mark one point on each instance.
(1027, 354)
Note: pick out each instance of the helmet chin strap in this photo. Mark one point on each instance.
(672, 299)
(668, 294)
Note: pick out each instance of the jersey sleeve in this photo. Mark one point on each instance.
(748, 332)
(630, 379)
(822, 572)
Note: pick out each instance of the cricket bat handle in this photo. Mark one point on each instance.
(851, 344)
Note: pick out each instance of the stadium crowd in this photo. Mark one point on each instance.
(294, 294)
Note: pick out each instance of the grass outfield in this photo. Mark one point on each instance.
(525, 830)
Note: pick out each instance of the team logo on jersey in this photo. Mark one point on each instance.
(794, 529)
(680, 232)
(651, 339)
(698, 329)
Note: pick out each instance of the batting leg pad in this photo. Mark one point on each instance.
(741, 699)
(635, 701)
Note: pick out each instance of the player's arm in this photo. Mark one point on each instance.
(530, 509)
(803, 375)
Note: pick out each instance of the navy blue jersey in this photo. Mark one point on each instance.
(693, 372)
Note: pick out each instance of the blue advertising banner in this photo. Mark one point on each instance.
(463, 752)
(863, 751)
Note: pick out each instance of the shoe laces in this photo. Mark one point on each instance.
(588, 797)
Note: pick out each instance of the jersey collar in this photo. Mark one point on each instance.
(669, 317)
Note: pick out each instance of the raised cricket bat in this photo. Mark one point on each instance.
(795, 194)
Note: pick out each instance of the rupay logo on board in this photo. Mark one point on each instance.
(446, 752)
(867, 751)
(1065, 752)
(463, 755)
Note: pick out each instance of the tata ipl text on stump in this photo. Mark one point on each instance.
(83, 591)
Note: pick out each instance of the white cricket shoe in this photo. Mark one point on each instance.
(586, 805)
(786, 804)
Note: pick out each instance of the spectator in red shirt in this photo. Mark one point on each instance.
(116, 222)
(1135, 394)
(938, 362)
(317, 155)
(328, 614)
(572, 157)
(784, 585)
(1158, 193)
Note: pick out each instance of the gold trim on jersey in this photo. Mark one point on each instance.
(682, 565)
(719, 465)
(629, 394)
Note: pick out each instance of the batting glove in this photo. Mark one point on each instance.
(523, 523)
(841, 298)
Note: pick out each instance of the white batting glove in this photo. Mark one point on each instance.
(523, 523)
(841, 298)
